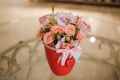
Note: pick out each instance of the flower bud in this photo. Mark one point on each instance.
(58, 37)
(67, 39)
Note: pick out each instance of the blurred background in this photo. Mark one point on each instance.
(19, 56)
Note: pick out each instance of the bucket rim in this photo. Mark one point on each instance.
(52, 48)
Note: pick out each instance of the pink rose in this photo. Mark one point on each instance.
(42, 19)
(39, 33)
(55, 29)
(48, 38)
(70, 30)
(80, 36)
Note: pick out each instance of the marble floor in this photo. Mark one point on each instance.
(19, 21)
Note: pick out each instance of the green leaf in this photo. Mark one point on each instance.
(55, 40)
(53, 21)
(46, 30)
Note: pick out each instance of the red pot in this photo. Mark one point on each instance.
(56, 67)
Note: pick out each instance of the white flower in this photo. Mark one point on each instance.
(60, 17)
(71, 17)
(59, 21)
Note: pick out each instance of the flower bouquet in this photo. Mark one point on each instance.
(61, 34)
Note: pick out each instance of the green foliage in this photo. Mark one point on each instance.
(53, 21)
(46, 30)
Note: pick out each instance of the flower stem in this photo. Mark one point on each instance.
(53, 7)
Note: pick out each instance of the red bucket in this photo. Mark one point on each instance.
(56, 67)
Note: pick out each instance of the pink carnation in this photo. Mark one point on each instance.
(80, 36)
(83, 26)
(48, 38)
(42, 19)
(57, 28)
(70, 30)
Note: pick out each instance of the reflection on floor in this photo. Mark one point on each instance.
(19, 21)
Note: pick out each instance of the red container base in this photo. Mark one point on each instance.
(56, 68)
